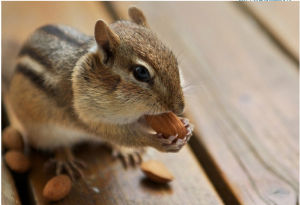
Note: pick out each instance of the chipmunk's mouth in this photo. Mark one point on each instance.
(142, 121)
(143, 124)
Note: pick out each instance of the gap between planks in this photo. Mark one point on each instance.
(268, 31)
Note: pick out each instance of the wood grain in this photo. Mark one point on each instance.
(281, 19)
(9, 193)
(107, 182)
(242, 97)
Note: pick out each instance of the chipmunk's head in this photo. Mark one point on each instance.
(130, 74)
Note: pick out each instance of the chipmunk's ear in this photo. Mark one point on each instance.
(106, 38)
(137, 16)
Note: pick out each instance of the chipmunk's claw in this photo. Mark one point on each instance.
(170, 144)
(128, 156)
(166, 140)
(72, 168)
(189, 127)
(64, 162)
(185, 121)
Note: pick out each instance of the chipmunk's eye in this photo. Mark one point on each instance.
(141, 73)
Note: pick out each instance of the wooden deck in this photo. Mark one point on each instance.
(240, 61)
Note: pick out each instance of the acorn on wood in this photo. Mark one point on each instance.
(156, 171)
(12, 139)
(57, 188)
(17, 161)
(168, 124)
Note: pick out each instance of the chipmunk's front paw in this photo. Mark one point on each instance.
(128, 156)
(168, 144)
(172, 143)
(189, 127)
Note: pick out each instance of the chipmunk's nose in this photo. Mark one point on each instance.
(178, 108)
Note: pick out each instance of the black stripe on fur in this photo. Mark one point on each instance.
(53, 30)
(36, 56)
(35, 79)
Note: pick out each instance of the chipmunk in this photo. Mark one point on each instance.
(69, 87)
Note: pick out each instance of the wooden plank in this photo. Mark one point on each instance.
(107, 182)
(9, 193)
(281, 19)
(105, 175)
(243, 97)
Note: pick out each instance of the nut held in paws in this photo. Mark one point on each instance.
(167, 123)
(17, 161)
(156, 171)
(57, 188)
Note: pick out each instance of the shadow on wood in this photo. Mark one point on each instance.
(108, 182)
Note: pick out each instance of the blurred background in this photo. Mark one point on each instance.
(240, 62)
